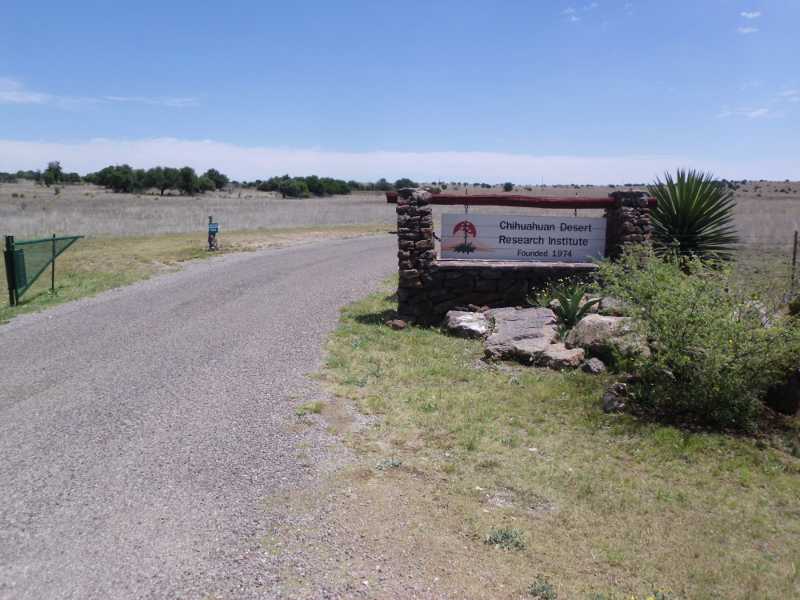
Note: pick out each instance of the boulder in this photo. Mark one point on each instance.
(594, 366)
(529, 350)
(520, 333)
(396, 324)
(602, 336)
(558, 356)
(785, 398)
(614, 398)
(611, 306)
(466, 324)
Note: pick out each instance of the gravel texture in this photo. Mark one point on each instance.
(141, 430)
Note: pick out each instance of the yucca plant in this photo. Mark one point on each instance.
(694, 216)
(569, 306)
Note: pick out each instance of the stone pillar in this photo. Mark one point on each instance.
(628, 222)
(416, 254)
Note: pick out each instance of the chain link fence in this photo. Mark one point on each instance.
(26, 260)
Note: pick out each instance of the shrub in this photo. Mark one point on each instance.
(542, 589)
(405, 182)
(694, 215)
(506, 538)
(187, 181)
(508, 186)
(205, 184)
(713, 358)
(220, 180)
(293, 188)
(794, 306)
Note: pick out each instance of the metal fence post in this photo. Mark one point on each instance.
(53, 267)
(11, 279)
(794, 263)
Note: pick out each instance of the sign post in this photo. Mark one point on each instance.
(213, 230)
(11, 278)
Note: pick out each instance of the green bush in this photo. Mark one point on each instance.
(713, 358)
(205, 184)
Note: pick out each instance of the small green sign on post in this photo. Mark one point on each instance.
(213, 230)
(26, 260)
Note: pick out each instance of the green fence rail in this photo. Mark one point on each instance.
(26, 260)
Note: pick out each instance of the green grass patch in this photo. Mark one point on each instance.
(94, 265)
(607, 503)
(310, 408)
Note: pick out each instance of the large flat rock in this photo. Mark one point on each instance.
(520, 333)
(604, 336)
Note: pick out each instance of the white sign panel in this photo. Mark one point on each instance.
(522, 237)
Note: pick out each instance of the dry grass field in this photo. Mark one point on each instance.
(28, 210)
(767, 213)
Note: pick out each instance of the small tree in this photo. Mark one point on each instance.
(187, 181)
(405, 182)
(53, 173)
(220, 180)
(382, 185)
(508, 186)
(293, 188)
(205, 184)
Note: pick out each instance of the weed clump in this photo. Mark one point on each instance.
(542, 589)
(506, 538)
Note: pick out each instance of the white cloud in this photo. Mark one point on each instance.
(751, 15)
(574, 19)
(748, 113)
(747, 30)
(242, 162)
(171, 102)
(591, 6)
(15, 92)
(790, 95)
(258, 162)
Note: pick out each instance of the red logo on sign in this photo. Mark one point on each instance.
(467, 227)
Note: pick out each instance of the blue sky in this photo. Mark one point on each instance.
(477, 90)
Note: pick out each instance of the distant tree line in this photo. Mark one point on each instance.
(312, 185)
(51, 175)
(126, 179)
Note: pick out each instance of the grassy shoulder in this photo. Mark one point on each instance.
(96, 264)
(532, 485)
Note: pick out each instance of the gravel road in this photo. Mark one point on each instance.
(141, 430)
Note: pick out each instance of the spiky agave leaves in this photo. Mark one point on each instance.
(694, 215)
